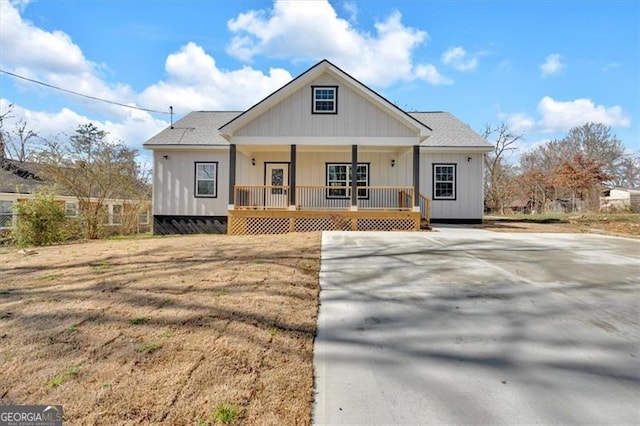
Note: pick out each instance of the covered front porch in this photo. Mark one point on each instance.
(279, 189)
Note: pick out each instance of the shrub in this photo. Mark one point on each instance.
(40, 220)
(6, 237)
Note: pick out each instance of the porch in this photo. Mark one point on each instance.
(268, 209)
(325, 187)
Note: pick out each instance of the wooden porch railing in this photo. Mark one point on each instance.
(425, 207)
(261, 197)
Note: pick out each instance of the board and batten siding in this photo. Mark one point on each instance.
(469, 202)
(174, 180)
(311, 167)
(356, 117)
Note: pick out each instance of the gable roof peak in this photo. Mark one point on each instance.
(307, 77)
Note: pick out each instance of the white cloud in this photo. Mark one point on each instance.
(137, 127)
(430, 74)
(54, 58)
(193, 82)
(561, 116)
(552, 65)
(193, 78)
(518, 122)
(455, 57)
(21, 42)
(312, 30)
(352, 9)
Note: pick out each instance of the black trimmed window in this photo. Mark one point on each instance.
(206, 179)
(324, 99)
(339, 179)
(444, 181)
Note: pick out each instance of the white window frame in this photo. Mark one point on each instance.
(116, 218)
(319, 97)
(213, 177)
(343, 186)
(439, 181)
(7, 213)
(74, 209)
(143, 217)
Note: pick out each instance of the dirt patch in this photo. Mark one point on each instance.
(624, 225)
(162, 330)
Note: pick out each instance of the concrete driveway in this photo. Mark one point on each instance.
(466, 326)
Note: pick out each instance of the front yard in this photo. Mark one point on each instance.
(192, 330)
(619, 224)
(180, 330)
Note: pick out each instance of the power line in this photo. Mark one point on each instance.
(83, 95)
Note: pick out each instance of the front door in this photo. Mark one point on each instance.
(276, 178)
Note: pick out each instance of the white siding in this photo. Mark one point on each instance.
(173, 189)
(243, 170)
(255, 174)
(356, 117)
(469, 202)
(174, 180)
(311, 167)
(619, 194)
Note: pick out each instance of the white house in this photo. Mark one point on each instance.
(322, 152)
(620, 199)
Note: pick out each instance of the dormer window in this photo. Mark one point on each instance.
(324, 99)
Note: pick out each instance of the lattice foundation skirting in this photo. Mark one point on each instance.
(242, 222)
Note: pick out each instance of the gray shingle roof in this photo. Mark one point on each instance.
(448, 131)
(198, 128)
(23, 178)
(18, 177)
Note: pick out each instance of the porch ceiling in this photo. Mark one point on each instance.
(249, 150)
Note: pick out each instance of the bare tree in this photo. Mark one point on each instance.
(93, 170)
(497, 172)
(628, 175)
(570, 168)
(595, 141)
(534, 182)
(19, 143)
(3, 134)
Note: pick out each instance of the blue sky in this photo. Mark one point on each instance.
(542, 67)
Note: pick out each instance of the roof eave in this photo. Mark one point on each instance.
(475, 149)
(183, 147)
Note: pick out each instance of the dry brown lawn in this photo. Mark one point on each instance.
(162, 330)
(618, 224)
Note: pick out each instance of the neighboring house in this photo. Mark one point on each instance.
(322, 152)
(21, 180)
(522, 206)
(620, 199)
